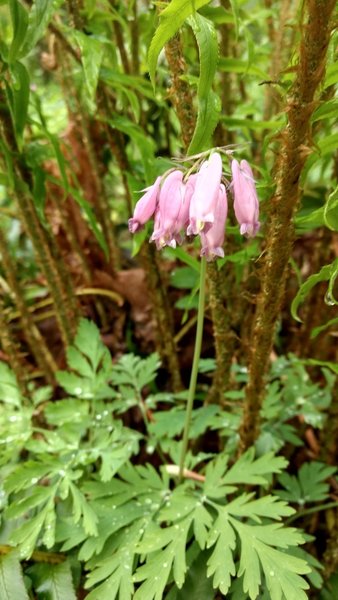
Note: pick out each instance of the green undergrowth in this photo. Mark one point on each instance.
(89, 493)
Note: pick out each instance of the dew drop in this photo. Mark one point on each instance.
(34, 480)
(77, 390)
(14, 418)
(328, 299)
(271, 573)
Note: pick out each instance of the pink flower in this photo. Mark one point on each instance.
(183, 215)
(145, 207)
(204, 198)
(246, 203)
(168, 210)
(213, 239)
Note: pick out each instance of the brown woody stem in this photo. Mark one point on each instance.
(283, 205)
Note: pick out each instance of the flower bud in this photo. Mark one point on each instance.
(246, 203)
(145, 207)
(204, 198)
(213, 239)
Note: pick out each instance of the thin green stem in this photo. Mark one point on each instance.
(194, 369)
(310, 511)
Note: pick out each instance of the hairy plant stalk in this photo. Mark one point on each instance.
(51, 267)
(74, 7)
(194, 368)
(283, 205)
(224, 337)
(52, 558)
(31, 333)
(180, 92)
(280, 39)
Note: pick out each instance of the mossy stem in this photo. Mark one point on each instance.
(194, 368)
(30, 331)
(223, 336)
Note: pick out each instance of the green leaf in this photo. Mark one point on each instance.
(91, 56)
(18, 98)
(9, 389)
(115, 571)
(171, 555)
(235, 12)
(92, 362)
(331, 211)
(12, 586)
(135, 372)
(282, 571)
(251, 471)
(184, 278)
(327, 273)
(39, 17)
(171, 20)
(82, 510)
(197, 585)
(19, 18)
(209, 104)
(221, 564)
(90, 216)
(53, 582)
(144, 144)
(308, 486)
(39, 193)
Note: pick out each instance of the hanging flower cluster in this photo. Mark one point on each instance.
(196, 203)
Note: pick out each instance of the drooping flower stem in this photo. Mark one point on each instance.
(194, 368)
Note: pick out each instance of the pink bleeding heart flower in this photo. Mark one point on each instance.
(167, 212)
(204, 198)
(145, 207)
(246, 203)
(213, 239)
(183, 215)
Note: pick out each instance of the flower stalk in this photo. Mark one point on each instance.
(194, 368)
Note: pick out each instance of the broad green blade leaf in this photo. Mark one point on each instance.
(19, 17)
(91, 56)
(90, 215)
(53, 582)
(18, 97)
(39, 193)
(12, 585)
(209, 103)
(171, 19)
(235, 12)
(144, 144)
(39, 17)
